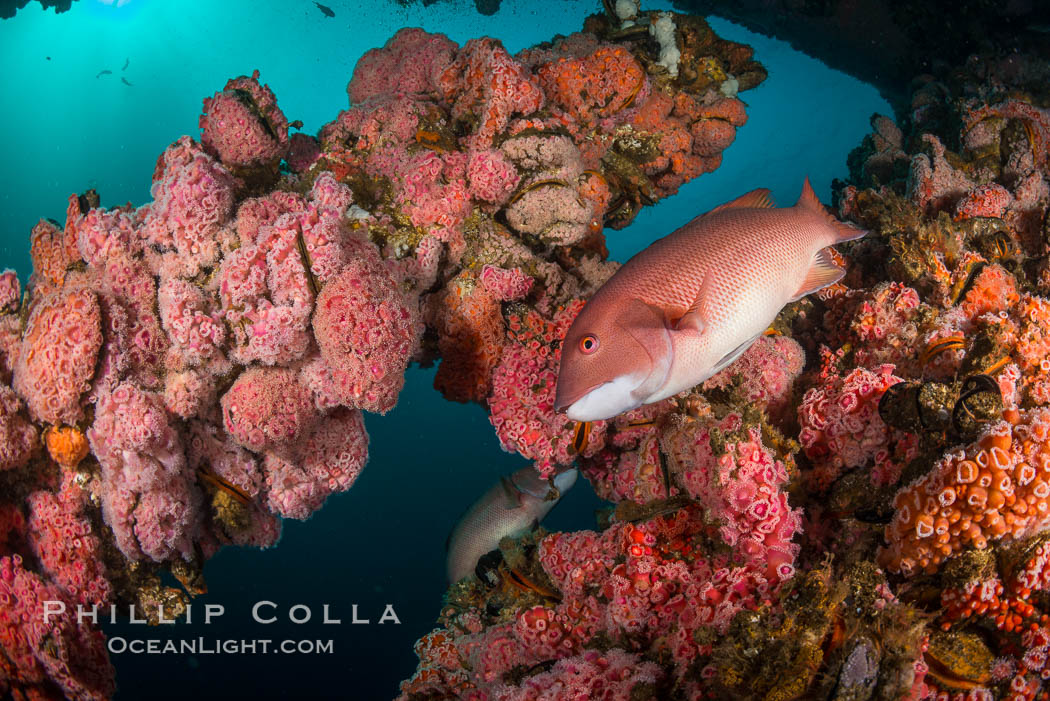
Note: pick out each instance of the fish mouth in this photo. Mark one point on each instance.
(564, 480)
(562, 399)
(605, 400)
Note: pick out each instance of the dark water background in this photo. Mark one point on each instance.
(64, 130)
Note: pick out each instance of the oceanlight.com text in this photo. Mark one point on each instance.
(216, 646)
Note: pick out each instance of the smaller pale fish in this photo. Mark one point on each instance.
(512, 507)
(692, 302)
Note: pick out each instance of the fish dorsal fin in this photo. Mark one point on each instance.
(756, 198)
(808, 201)
(823, 271)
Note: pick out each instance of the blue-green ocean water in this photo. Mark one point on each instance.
(65, 130)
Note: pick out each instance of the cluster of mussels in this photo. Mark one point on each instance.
(942, 516)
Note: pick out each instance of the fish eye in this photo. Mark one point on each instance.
(589, 344)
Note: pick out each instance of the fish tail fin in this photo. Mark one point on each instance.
(843, 231)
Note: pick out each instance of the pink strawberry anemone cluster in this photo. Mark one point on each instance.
(182, 376)
(859, 507)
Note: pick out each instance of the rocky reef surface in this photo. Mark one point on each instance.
(857, 508)
(179, 377)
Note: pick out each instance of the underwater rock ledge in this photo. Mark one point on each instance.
(8, 8)
(886, 44)
(181, 376)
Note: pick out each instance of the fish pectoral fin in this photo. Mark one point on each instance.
(695, 318)
(692, 321)
(823, 271)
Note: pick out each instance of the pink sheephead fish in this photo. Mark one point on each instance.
(512, 507)
(692, 302)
